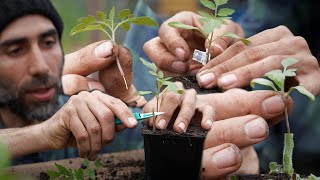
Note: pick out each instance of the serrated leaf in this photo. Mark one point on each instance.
(209, 4)
(288, 62)
(225, 12)
(125, 26)
(89, 28)
(111, 13)
(53, 174)
(78, 28)
(79, 174)
(220, 2)
(88, 20)
(150, 65)
(264, 82)
(277, 77)
(182, 26)
(91, 173)
(204, 14)
(102, 16)
(62, 170)
(160, 74)
(124, 13)
(144, 20)
(303, 91)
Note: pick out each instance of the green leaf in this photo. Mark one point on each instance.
(209, 4)
(4, 156)
(53, 174)
(142, 93)
(86, 162)
(124, 13)
(204, 14)
(264, 82)
(220, 2)
(225, 12)
(277, 77)
(303, 91)
(78, 28)
(182, 26)
(91, 174)
(245, 41)
(150, 65)
(290, 72)
(125, 26)
(98, 164)
(232, 35)
(204, 20)
(92, 27)
(167, 78)
(171, 86)
(102, 16)
(79, 174)
(288, 62)
(275, 168)
(287, 154)
(111, 13)
(62, 170)
(211, 25)
(144, 20)
(160, 74)
(87, 20)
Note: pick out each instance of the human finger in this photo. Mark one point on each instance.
(119, 109)
(73, 83)
(91, 58)
(221, 160)
(164, 59)
(186, 112)
(208, 116)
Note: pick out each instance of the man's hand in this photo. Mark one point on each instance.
(239, 64)
(172, 50)
(230, 119)
(100, 57)
(87, 122)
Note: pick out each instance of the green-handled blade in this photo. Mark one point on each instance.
(139, 116)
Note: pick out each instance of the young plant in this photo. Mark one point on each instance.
(210, 22)
(161, 81)
(78, 174)
(109, 26)
(277, 83)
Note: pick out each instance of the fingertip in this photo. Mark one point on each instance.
(104, 49)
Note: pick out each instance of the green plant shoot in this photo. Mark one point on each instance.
(212, 21)
(277, 83)
(78, 174)
(110, 24)
(162, 82)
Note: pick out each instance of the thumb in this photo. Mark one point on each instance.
(91, 58)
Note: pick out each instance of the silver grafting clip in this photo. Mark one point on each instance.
(200, 56)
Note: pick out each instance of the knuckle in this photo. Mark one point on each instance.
(252, 54)
(95, 130)
(191, 92)
(83, 137)
(107, 139)
(238, 47)
(225, 67)
(283, 30)
(299, 42)
(115, 101)
(225, 135)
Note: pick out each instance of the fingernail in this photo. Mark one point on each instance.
(104, 50)
(162, 124)
(257, 128)
(209, 122)
(182, 126)
(219, 47)
(179, 66)
(132, 121)
(225, 158)
(206, 79)
(273, 105)
(227, 80)
(180, 53)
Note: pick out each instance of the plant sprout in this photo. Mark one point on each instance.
(212, 21)
(109, 26)
(162, 82)
(78, 174)
(277, 83)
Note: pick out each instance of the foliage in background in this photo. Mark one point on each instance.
(212, 21)
(276, 80)
(75, 174)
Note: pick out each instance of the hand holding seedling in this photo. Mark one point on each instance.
(239, 64)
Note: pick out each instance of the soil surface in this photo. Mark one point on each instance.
(190, 82)
(116, 166)
(260, 177)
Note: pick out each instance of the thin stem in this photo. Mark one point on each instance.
(209, 47)
(287, 120)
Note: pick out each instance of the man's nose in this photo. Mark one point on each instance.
(38, 62)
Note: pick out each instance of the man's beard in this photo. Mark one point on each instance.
(13, 98)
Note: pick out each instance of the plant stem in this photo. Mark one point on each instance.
(209, 47)
(287, 120)
(287, 153)
(118, 62)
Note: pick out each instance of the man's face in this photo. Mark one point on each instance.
(31, 61)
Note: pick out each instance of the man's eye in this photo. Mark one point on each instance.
(49, 42)
(16, 51)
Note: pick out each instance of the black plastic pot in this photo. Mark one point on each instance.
(172, 156)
